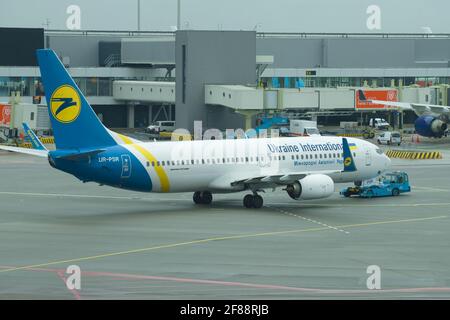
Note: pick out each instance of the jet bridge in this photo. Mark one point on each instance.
(247, 101)
(144, 91)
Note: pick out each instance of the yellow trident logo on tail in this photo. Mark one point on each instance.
(65, 104)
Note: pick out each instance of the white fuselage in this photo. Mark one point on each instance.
(214, 164)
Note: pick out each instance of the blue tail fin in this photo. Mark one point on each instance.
(349, 163)
(37, 144)
(75, 124)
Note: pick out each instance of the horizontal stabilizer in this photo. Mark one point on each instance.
(33, 152)
(77, 156)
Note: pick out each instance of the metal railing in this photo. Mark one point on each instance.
(134, 33)
(350, 35)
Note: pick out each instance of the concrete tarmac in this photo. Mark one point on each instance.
(150, 246)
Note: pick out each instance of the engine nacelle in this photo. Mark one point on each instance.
(314, 186)
(429, 126)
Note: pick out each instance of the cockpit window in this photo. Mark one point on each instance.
(379, 151)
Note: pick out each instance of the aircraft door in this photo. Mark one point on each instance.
(368, 158)
(126, 166)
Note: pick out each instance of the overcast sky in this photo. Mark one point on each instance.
(265, 15)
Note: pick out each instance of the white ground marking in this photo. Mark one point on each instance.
(307, 219)
(65, 195)
(431, 189)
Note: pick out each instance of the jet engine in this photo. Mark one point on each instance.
(429, 126)
(314, 186)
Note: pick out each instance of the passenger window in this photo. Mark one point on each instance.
(148, 164)
(302, 157)
(153, 163)
(163, 163)
(316, 156)
(182, 162)
(192, 161)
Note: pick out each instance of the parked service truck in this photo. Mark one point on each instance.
(303, 128)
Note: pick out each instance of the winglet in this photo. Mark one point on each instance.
(349, 163)
(362, 96)
(37, 144)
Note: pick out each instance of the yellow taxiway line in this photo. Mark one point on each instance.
(242, 236)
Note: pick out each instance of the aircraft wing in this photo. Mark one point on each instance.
(244, 181)
(418, 108)
(33, 152)
(280, 179)
(271, 180)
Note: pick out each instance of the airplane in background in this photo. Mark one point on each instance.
(306, 167)
(432, 119)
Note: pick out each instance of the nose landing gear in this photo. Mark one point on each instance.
(202, 197)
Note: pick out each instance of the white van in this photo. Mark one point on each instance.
(390, 137)
(379, 123)
(161, 126)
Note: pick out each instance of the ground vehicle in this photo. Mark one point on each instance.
(379, 123)
(390, 137)
(161, 126)
(390, 184)
(368, 133)
(304, 128)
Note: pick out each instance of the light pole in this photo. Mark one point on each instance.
(178, 14)
(139, 15)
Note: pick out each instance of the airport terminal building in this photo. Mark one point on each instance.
(225, 78)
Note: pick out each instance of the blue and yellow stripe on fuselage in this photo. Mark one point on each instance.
(116, 167)
(141, 152)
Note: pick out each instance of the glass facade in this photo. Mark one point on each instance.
(333, 82)
(32, 86)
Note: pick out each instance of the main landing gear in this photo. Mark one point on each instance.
(202, 197)
(253, 201)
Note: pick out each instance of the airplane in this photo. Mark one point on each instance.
(432, 119)
(306, 167)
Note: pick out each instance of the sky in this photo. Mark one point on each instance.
(413, 16)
